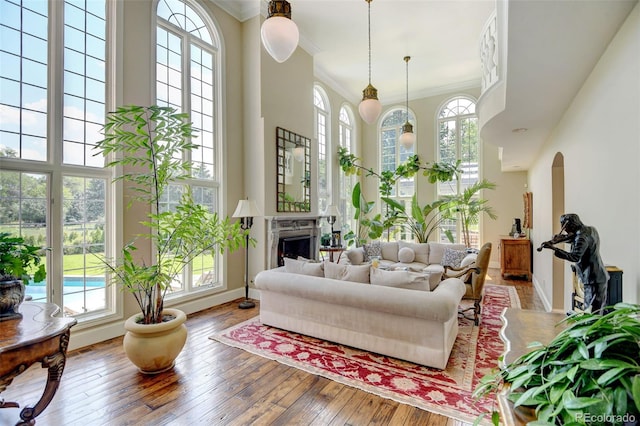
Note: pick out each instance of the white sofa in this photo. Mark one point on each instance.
(426, 257)
(413, 325)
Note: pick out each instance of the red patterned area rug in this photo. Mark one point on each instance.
(446, 392)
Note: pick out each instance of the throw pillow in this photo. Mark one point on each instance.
(302, 267)
(355, 255)
(355, 273)
(453, 257)
(436, 250)
(421, 251)
(373, 249)
(406, 255)
(400, 279)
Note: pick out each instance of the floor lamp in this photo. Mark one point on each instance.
(246, 211)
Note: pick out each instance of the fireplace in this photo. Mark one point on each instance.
(292, 237)
(292, 247)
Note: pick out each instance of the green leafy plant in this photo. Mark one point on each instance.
(149, 143)
(368, 228)
(467, 206)
(590, 369)
(20, 261)
(395, 213)
(422, 221)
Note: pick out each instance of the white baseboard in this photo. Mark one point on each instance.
(93, 335)
(541, 293)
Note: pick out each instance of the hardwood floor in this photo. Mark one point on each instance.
(213, 384)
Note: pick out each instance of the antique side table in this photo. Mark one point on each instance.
(331, 251)
(36, 337)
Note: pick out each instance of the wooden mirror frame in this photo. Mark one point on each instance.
(288, 177)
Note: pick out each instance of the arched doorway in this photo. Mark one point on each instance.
(557, 209)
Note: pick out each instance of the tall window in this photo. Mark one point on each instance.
(53, 191)
(347, 141)
(458, 140)
(393, 154)
(321, 122)
(187, 71)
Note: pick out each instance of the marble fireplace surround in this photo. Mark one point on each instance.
(280, 228)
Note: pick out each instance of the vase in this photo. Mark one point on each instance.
(11, 296)
(153, 348)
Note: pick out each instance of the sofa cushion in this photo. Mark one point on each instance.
(401, 279)
(421, 251)
(453, 257)
(406, 255)
(436, 250)
(303, 267)
(372, 249)
(355, 273)
(355, 255)
(389, 250)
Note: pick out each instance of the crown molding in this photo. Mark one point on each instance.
(242, 10)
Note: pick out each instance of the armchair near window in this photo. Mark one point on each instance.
(473, 276)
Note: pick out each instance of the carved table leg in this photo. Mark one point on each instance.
(55, 363)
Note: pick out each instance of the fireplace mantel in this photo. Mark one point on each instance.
(280, 227)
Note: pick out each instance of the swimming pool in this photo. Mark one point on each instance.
(79, 294)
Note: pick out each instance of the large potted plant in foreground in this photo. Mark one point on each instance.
(588, 375)
(18, 262)
(149, 144)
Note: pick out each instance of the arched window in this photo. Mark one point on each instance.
(347, 141)
(188, 61)
(321, 127)
(393, 154)
(457, 125)
(46, 153)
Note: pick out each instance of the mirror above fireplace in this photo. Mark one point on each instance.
(293, 172)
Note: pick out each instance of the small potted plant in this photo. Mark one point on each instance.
(19, 261)
(149, 143)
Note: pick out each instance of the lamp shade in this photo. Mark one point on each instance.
(298, 153)
(280, 37)
(246, 208)
(370, 110)
(332, 210)
(407, 138)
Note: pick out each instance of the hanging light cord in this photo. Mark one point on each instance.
(369, 34)
(406, 59)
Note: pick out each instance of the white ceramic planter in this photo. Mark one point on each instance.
(153, 348)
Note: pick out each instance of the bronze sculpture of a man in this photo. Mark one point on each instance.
(585, 253)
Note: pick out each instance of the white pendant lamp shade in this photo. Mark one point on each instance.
(407, 138)
(298, 153)
(370, 110)
(279, 33)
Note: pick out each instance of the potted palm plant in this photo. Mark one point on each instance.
(19, 261)
(149, 143)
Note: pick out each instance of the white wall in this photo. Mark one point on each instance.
(599, 136)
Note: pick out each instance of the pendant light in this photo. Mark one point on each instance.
(279, 33)
(407, 138)
(370, 107)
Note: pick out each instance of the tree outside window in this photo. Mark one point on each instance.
(458, 140)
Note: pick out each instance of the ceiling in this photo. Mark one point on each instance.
(552, 48)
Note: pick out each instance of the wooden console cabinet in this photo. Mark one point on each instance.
(515, 256)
